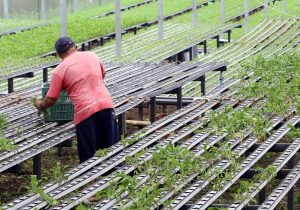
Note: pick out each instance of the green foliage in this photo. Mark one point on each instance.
(101, 152)
(59, 172)
(266, 173)
(234, 122)
(110, 192)
(279, 80)
(243, 190)
(82, 207)
(164, 163)
(298, 199)
(3, 122)
(132, 139)
(133, 160)
(294, 132)
(81, 28)
(6, 144)
(36, 188)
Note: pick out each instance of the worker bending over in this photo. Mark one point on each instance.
(81, 74)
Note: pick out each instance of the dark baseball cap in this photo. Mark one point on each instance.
(63, 44)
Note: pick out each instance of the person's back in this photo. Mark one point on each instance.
(82, 76)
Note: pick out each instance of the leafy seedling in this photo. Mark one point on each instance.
(36, 188)
(101, 152)
(82, 207)
(3, 122)
(59, 173)
(6, 145)
(294, 132)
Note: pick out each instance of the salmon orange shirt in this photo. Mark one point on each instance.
(81, 75)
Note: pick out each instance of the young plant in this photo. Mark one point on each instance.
(59, 173)
(101, 152)
(3, 122)
(241, 192)
(82, 207)
(36, 188)
(294, 132)
(6, 144)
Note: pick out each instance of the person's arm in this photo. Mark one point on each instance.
(42, 105)
(52, 95)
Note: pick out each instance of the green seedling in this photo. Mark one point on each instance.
(101, 152)
(3, 122)
(36, 188)
(123, 141)
(20, 131)
(294, 132)
(242, 190)
(59, 173)
(82, 207)
(6, 144)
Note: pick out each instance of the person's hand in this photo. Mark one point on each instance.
(39, 105)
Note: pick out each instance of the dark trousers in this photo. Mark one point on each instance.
(99, 131)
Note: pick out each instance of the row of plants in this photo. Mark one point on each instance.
(279, 83)
(80, 28)
(15, 23)
(287, 91)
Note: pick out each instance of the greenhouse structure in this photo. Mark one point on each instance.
(150, 104)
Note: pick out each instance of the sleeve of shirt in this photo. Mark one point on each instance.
(55, 86)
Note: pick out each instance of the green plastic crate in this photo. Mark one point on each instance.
(63, 110)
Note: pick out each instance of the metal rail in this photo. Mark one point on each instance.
(125, 8)
(21, 29)
(251, 11)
